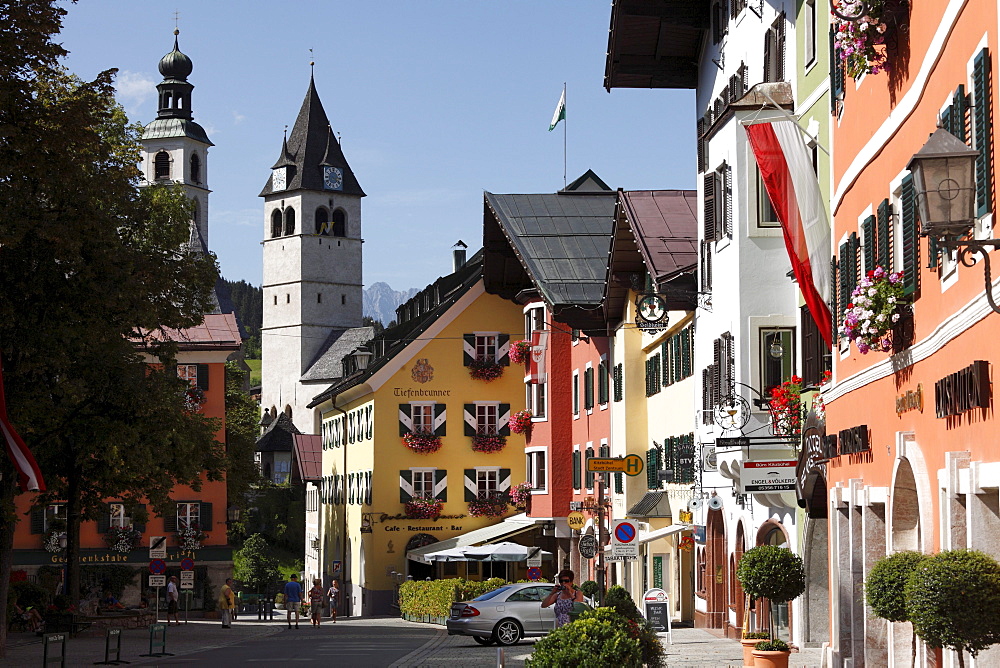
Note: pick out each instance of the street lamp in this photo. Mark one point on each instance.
(361, 357)
(944, 181)
(777, 350)
(232, 514)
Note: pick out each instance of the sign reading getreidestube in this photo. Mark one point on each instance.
(768, 476)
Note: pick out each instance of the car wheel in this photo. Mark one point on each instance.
(507, 632)
(483, 641)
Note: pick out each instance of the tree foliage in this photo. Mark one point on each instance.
(886, 582)
(254, 564)
(771, 572)
(249, 303)
(242, 413)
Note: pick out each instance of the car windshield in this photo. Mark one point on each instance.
(492, 594)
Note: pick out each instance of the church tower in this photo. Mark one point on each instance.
(312, 258)
(175, 147)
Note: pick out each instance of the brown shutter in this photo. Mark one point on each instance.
(708, 208)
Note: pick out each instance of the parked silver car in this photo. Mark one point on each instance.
(504, 615)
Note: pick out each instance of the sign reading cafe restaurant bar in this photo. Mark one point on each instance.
(963, 390)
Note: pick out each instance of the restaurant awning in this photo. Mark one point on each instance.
(490, 534)
(662, 533)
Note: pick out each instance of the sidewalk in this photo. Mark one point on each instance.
(697, 647)
(25, 649)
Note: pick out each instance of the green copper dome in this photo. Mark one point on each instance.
(175, 65)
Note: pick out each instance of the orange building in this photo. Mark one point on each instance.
(201, 358)
(910, 436)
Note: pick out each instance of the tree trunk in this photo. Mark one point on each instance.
(8, 521)
(73, 503)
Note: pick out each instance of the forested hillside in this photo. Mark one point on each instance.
(249, 302)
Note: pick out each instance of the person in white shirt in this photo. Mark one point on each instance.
(172, 599)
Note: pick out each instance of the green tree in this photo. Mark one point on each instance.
(94, 282)
(242, 412)
(254, 565)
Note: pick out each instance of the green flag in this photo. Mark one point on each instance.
(560, 113)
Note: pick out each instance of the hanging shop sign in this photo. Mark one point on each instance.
(810, 473)
(963, 390)
(853, 441)
(768, 476)
(651, 313)
(911, 400)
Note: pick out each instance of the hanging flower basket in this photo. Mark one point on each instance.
(520, 422)
(485, 369)
(194, 399)
(873, 311)
(519, 495)
(856, 41)
(520, 352)
(492, 506)
(123, 539)
(488, 442)
(786, 408)
(419, 508)
(422, 443)
(52, 540)
(190, 538)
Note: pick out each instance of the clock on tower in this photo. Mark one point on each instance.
(333, 178)
(278, 178)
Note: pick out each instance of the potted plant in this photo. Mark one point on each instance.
(748, 641)
(873, 311)
(488, 442)
(786, 409)
(421, 442)
(520, 422)
(421, 508)
(771, 654)
(775, 573)
(520, 352)
(190, 537)
(519, 495)
(123, 539)
(884, 587)
(488, 505)
(485, 369)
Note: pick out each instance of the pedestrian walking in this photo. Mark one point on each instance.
(293, 599)
(316, 602)
(172, 598)
(227, 603)
(564, 595)
(333, 595)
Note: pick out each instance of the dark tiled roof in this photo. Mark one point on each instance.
(561, 242)
(327, 364)
(309, 455)
(652, 504)
(391, 342)
(665, 225)
(311, 145)
(165, 128)
(279, 436)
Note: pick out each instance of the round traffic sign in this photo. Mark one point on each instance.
(187, 564)
(534, 573)
(625, 532)
(633, 465)
(588, 546)
(157, 567)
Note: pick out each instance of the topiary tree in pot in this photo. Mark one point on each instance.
(953, 601)
(771, 572)
(884, 588)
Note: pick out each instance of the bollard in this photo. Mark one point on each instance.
(116, 634)
(53, 639)
(158, 643)
(500, 657)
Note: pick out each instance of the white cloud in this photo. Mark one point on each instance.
(134, 88)
(238, 117)
(236, 218)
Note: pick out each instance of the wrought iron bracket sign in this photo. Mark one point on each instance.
(963, 390)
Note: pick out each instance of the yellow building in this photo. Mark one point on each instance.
(419, 388)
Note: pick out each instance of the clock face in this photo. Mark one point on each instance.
(651, 308)
(278, 179)
(333, 178)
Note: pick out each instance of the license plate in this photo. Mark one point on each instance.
(456, 611)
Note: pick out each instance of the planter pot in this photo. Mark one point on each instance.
(770, 659)
(748, 644)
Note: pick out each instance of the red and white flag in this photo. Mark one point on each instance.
(787, 171)
(29, 475)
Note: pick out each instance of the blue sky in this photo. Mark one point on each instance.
(435, 102)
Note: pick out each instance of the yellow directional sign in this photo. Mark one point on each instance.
(629, 465)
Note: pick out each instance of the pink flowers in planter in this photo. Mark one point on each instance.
(869, 318)
(489, 506)
(520, 422)
(422, 443)
(855, 41)
(485, 369)
(520, 352)
(488, 442)
(519, 494)
(420, 508)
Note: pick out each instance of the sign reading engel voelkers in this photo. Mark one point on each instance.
(768, 476)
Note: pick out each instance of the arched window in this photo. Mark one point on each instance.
(161, 165)
(195, 168)
(288, 411)
(275, 223)
(289, 221)
(339, 223)
(322, 221)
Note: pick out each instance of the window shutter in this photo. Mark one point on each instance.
(589, 473)
(602, 383)
(842, 290)
(619, 483)
(588, 388)
(440, 419)
(836, 78)
(911, 242)
(205, 516)
(727, 198)
(503, 481)
(884, 236)
(871, 243)
(709, 206)
(104, 521)
(503, 349)
(619, 382)
(370, 422)
(139, 526)
(577, 477)
(686, 361)
(652, 466)
(471, 485)
(405, 419)
(503, 420)
(170, 519)
(604, 451)
(768, 40)
(440, 484)
(700, 130)
(468, 349)
(706, 416)
(368, 488)
(779, 51)
(469, 418)
(576, 394)
(203, 377)
(716, 372)
(982, 91)
(959, 107)
(37, 519)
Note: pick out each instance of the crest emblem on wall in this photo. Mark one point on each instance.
(422, 371)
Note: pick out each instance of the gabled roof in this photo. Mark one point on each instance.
(218, 331)
(311, 145)
(588, 182)
(341, 342)
(442, 294)
(309, 456)
(279, 435)
(557, 244)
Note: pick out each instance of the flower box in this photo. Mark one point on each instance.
(874, 311)
(489, 506)
(488, 442)
(422, 443)
(123, 539)
(520, 422)
(485, 369)
(420, 508)
(520, 352)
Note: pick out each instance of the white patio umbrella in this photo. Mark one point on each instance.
(505, 551)
(451, 554)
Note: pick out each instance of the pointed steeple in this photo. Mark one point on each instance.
(311, 147)
(286, 159)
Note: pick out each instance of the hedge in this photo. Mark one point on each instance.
(434, 597)
(598, 639)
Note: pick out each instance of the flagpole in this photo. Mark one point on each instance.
(564, 136)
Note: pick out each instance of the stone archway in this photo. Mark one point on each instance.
(904, 534)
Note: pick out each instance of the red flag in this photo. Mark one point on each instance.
(30, 477)
(536, 364)
(786, 169)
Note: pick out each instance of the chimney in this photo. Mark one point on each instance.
(458, 255)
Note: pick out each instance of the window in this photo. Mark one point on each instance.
(847, 271)
(534, 320)
(774, 50)
(705, 274)
(161, 165)
(275, 223)
(339, 223)
(289, 221)
(577, 469)
(322, 219)
(536, 469)
(486, 419)
(195, 168)
(815, 355)
(653, 375)
(487, 483)
(188, 372)
(720, 20)
(189, 514)
(776, 370)
(535, 396)
(423, 483)
(982, 129)
(118, 518)
(423, 418)
(486, 347)
(809, 15)
(576, 393)
(766, 215)
(282, 470)
(55, 512)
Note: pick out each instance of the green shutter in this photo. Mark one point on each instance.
(983, 131)
(205, 519)
(405, 420)
(588, 388)
(619, 483)
(441, 476)
(470, 483)
(602, 383)
(405, 485)
(959, 105)
(139, 511)
(104, 521)
(37, 519)
(440, 420)
(652, 466)
(170, 519)
(589, 473)
(911, 242)
(884, 235)
(203, 377)
(577, 477)
(468, 349)
(871, 243)
(469, 419)
(687, 366)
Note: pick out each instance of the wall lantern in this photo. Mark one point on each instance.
(361, 357)
(777, 350)
(944, 181)
(232, 514)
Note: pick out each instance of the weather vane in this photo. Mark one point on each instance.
(177, 16)
(312, 63)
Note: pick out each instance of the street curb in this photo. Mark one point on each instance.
(423, 651)
(275, 629)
